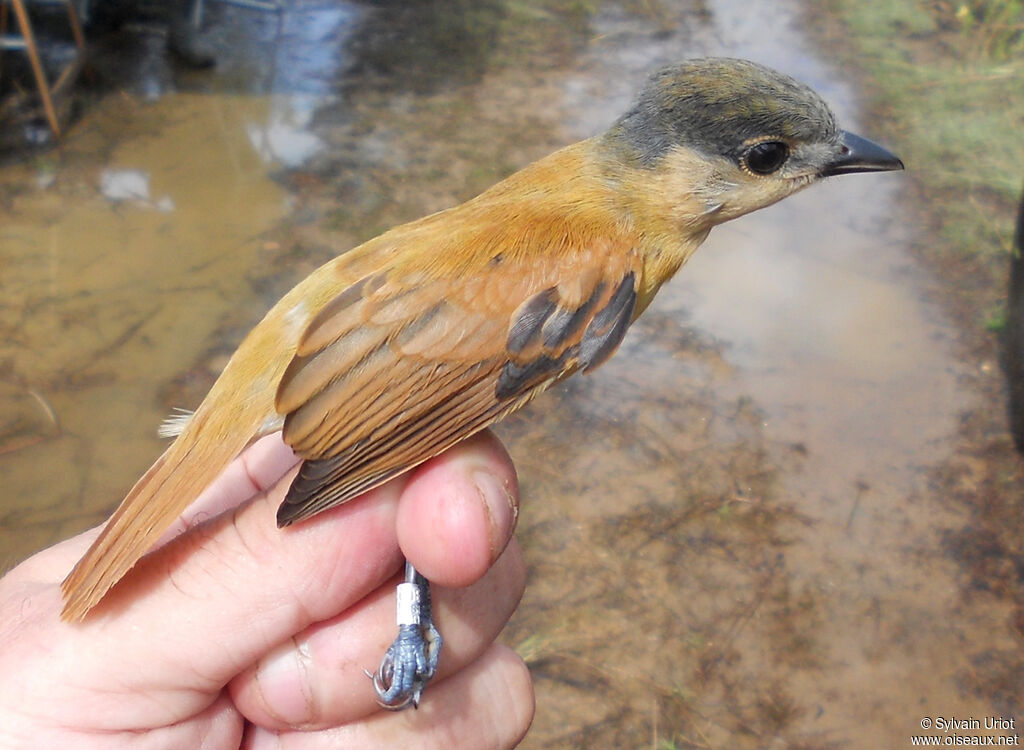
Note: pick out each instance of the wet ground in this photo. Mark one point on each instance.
(751, 536)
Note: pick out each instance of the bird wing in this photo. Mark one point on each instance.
(400, 366)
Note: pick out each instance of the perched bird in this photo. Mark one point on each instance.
(399, 348)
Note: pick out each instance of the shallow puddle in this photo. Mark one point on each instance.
(739, 545)
(120, 257)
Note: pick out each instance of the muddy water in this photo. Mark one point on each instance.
(119, 257)
(739, 544)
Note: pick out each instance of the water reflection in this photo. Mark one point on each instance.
(131, 185)
(106, 297)
(286, 138)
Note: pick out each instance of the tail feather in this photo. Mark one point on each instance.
(157, 499)
(238, 409)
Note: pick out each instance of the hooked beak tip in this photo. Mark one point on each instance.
(861, 155)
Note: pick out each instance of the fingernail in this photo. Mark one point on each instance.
(284, 683)
(501, 506)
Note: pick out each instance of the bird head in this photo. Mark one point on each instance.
(736, 136)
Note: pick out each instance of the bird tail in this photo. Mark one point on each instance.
(157, 499)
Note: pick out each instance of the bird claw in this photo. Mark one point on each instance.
(411, 659)
(407, 666)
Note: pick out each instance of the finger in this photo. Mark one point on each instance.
(318, 678)
(212, 601)
(490, 704)
(226, 592)
(457, 514)
(256, 470)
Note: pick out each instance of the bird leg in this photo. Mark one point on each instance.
(411, 659)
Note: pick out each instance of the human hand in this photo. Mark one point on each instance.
(235, 633)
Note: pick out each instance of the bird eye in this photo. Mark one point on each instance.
(766, 157)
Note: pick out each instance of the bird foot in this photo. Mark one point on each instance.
(411, 659)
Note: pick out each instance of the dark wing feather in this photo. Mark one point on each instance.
(392, 372)
(608, 326)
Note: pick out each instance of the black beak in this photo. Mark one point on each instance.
(860, 155)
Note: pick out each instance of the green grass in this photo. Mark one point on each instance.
(951, 75)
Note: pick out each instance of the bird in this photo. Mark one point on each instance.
(399, 348)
